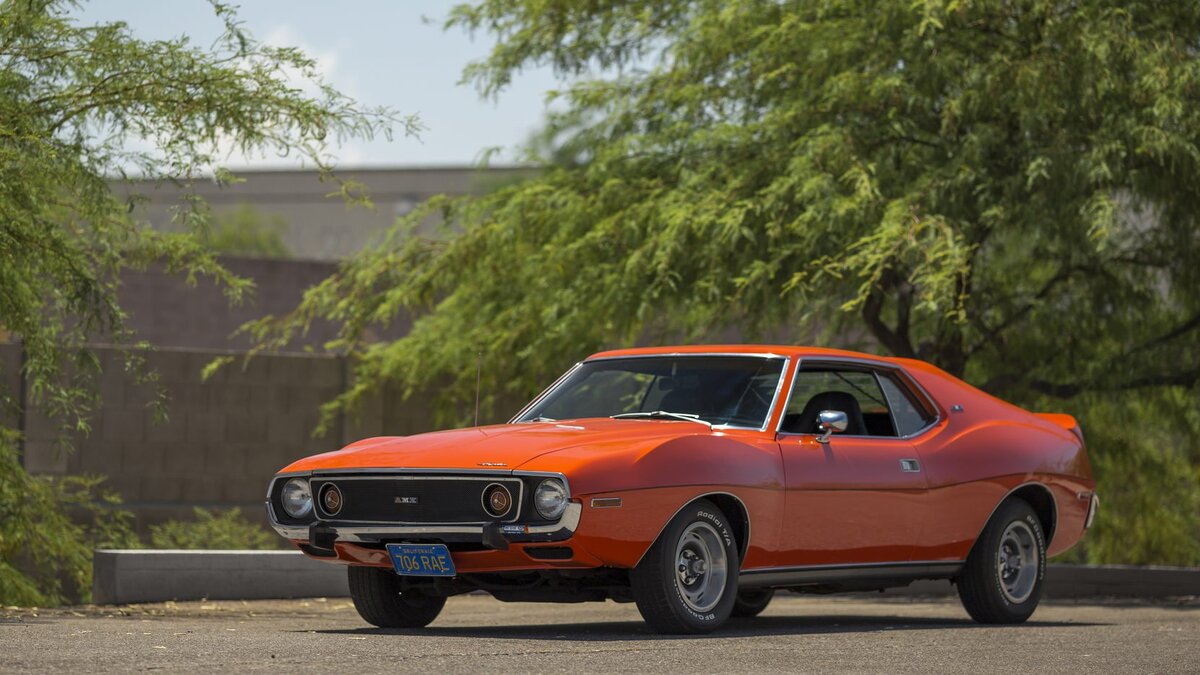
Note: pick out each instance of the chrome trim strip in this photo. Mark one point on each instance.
(881, 365)
(568, 523)
(839, 566)
(443, 471)
(756, 355)
(827, 574)
(384, 471)
(717, 427)
(1093, 507)
(520, 493)
(366, 534)
(538, 399)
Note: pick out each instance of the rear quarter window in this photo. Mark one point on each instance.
(910, 415)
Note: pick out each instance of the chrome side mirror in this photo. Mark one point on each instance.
(831, 422)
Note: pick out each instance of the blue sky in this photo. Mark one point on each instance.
(381, 53)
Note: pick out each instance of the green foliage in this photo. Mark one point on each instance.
(1007, 189)
(48, 529)
(248, 231)
(228, 530)
(73, 99)
(1148, 478)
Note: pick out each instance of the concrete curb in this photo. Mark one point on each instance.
(123, 576)
(157, 576)
(1070, 582)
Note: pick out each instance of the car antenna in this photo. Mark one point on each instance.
(478, 378)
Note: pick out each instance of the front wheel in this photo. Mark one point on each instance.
(380, 601)
(687, 582)
(1001, 581)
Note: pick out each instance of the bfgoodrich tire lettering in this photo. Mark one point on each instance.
(687, 581)
(379, 600)
(1001, 581)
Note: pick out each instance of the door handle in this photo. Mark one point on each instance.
(910, 466)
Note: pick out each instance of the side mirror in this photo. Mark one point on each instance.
(831, 422)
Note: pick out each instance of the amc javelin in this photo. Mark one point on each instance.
(697, 482)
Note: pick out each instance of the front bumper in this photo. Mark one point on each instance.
(323, 535)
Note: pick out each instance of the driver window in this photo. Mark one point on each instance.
(854, 392)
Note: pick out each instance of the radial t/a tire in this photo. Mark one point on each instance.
(378, 597)
(1001, 581)
(687, 581)
(752, 602)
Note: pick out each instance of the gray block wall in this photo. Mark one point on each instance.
(222, 439)
(220, 442)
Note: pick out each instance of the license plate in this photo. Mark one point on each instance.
(421, 560)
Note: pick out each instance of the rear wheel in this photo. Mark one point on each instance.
(380, 601)
(1001, 581)
(752, 603)
(687, 582)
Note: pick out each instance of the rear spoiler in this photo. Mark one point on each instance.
(1065, 421)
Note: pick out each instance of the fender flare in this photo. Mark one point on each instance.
(1031, 485)
(744, 517)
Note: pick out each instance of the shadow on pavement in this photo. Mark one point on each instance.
(735, 628)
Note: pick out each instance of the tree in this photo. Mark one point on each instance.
(245, 230)
(73, 100)
(1007, 189)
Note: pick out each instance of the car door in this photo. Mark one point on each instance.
(857, 498)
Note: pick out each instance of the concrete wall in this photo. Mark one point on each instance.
(220, 443)
(321, 227)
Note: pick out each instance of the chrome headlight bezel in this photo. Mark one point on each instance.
(295, 498)
(550, 498)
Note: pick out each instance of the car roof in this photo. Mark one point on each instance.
(775, 350)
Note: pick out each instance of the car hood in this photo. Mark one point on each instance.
(502, 446)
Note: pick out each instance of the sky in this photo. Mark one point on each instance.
(393, 54)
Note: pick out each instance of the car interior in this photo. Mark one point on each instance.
(857, 392)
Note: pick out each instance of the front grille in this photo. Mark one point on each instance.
(416, 499)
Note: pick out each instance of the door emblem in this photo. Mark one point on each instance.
(910, 466)
(406, 500)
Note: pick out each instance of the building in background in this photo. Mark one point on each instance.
(224, 438)
(320, 227)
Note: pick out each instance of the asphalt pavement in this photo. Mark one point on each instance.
(481, 635)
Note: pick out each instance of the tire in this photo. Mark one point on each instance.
(752, 603)
(1001, 581)
(380, 601)
(699, 598)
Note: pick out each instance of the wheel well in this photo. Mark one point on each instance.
(739, 520)
(1038, 496)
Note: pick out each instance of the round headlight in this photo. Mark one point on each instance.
(550, 499)
(297, 498)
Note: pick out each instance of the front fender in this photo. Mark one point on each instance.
(655, 481)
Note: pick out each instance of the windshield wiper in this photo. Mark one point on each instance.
(539, 418)
(652, 414)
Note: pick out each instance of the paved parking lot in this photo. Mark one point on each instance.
(482, 635)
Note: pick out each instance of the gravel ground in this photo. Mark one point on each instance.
(474, 633)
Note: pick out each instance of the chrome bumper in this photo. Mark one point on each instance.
(371, 534)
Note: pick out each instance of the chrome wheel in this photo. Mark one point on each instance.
(701, 567)
(1017, 562)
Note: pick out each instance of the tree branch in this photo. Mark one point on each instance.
(896, 341)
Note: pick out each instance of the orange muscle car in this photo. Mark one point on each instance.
(696, 481)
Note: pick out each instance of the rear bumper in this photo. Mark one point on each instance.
(1093, 507)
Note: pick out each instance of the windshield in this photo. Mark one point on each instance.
(729, 390)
